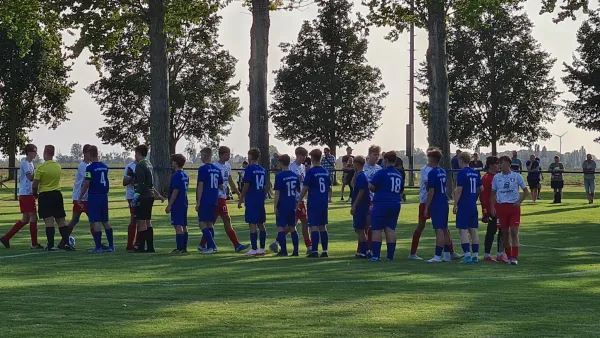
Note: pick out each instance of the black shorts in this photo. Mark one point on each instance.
(534, 183)
(557, 184)
(51, 204)
(143, 211)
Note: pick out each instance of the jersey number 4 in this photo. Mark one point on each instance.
(260, 182)
(102, 179)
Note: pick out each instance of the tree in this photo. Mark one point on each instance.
(77, 151)
(501, 89)
(325, 87)
(583, 77)
(34, 88)
(202, 101)
(567, 8)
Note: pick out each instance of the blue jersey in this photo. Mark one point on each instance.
(97, 174)
(389, 184)
(317, 181)
(436, 180)
(470, 182)
(180, 181)
(361, 184)
(255, 176)
(211, 178)
(287, 183)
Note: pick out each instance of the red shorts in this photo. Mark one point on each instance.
(508, 215)
(27, 204)
(222, 207)
(131, 210)
(301, 212)
(422, 217)
(79, 209)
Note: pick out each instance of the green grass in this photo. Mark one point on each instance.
(552, 293)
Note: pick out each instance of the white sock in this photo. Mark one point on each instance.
(475, 254)
(486, 255)
(447, 255)
(467, 254)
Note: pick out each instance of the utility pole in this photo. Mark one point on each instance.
(560, 138)
(410, 128)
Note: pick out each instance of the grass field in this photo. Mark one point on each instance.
(554, 292)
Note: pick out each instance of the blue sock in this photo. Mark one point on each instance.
(210, 242)
(254, 240)
(391, 250)
(363, 246)
(438, 251)
(324, 240)
(179, 239)
(314, 237)
(465, 247)
(212, 233)
(376, 248)
(447, 248)
(98, 239)
(262, 235)
(186, 236)
(475, 248)
(109, 236)
(281, 240)
(295, 240)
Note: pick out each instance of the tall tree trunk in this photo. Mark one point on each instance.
(12, 142)
(172, 145)
(494, 147)
(439, 128)
(159, 96)
(259, 52)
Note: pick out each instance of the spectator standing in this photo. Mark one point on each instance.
(589, 177)
(539, 195)
(307, 163)
(241, 171)
(455, 167)
(476, 163)
(533, 176)
(557, 183)
(275, 161)
(516, 164)
(328, 163)
(380, 161)
(348, 170)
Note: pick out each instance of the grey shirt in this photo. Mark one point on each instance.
(591, 166)
(558, 174)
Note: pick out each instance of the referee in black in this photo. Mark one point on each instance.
(46, 186)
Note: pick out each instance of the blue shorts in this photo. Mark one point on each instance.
(359, 220)
(467, 219)
(179, 217)
(98, 208)
(285, 218)
(439, 217)
(385, 215)
(206, 212)
(317, 216)
(255, 214)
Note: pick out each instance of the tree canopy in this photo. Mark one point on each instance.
(325, 92)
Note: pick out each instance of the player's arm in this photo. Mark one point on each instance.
(172, 199)
(457, 194)
(244, 193)
(276, 201)
(29, 175)
(127, 180)
(304, 192)
(85, 186)
(523, 186)
(36, 182)
(232, 185)
(199, 190)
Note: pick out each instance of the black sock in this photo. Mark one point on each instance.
(142, 240)
(50, 231)
(500, 243)
(490, 234)
(150, 238)
(64, 233)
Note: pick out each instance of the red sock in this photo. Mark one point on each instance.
(232, 237)
(451, 244)
(415, 242)
(508, 252)
(13, 231)
(307, 242)
(203, 241)
(131, 230)
(33, 233)
(515, 252)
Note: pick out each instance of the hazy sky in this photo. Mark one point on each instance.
(392, 58)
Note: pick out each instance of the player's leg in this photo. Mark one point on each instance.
(142, 213)
(313, 222)
(108, 230)
(131, 228)
(377, 225)
(514, 237)
(390, 233)
(97, 234)
(324, 234)
(262, 230)
(440, 240)
(253, 238)
(232, 235)
(179, 239)
(59, 215)
(492, 229)
(450, 244)
(281, 240)
(5, 240)
(207, 236)
(359, 222)
(343, 186)
(465, 244)
(33, 231)
(474, 239)
(302, 217)
(291, 229)
(417, 234)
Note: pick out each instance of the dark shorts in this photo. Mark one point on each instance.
(143, 211)
(97, 208)
(51, 204)
(285, 218)
(179, 216)
(255, 214)
(533, 183)
(318, 216)
(557, 184)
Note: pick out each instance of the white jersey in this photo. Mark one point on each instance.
(226, 173)
(423, 184)
(79, 178)
(129, 190)
(26, 186)
(507, 187)
(370, 171)
(299, 170)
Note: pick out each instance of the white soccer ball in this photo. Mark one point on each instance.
(71, 241)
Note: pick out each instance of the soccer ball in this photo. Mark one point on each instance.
(71, 241)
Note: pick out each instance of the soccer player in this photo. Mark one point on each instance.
(26, 201)
(468, 188)
(361, 203)
(46, 181)
(178, 203)
(96, 187)
(492, 222)
(80, 178)
(253, 196)
(240, 173)
(317, 184)
(128, 183)
(557, 183)
(437, 206)
(506, 206)
(533, 176)
(222, 211)
(287, 188)
(210, 182)
(347, 168)
(387, 184)
(370, 169)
